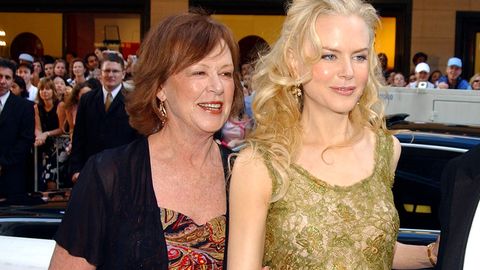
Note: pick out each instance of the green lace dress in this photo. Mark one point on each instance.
(320, 226)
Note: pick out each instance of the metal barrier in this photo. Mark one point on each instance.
(58, 143)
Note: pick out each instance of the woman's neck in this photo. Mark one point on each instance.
(326, 128)
(79, 78)
(48, 104)
(175, 143)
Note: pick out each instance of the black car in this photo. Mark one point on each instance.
(426, 149)
(425, 153)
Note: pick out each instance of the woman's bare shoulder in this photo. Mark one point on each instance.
(251, 173)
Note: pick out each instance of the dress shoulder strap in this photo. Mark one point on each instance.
(384, 156)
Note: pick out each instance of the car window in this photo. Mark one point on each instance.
(417, 185)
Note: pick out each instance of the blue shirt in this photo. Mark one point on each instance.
(248, 105)
(461, 83)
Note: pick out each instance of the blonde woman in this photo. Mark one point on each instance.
(313, 189)
(475, 81)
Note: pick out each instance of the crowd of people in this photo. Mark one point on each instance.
(155, 183)
(423, 77)
(55, 86)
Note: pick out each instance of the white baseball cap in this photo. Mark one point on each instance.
(422, 67)
(26, 57)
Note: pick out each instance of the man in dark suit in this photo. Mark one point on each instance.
(16, 137)
(101, 121)
(459, 211)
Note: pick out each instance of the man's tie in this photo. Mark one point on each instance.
(1, 107)
(108, 101)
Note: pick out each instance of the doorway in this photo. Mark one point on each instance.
(467, 43)
(26, 42)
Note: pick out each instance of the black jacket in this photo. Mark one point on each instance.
(460, 196)
(16, 140)
(96, 130)
(113, 220)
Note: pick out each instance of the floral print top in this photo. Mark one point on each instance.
(191, 246)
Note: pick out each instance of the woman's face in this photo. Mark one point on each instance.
(46, 93)
(16, 90)
(200, 96)
(78, 69)
(340, 76)
(60, 86)
(59, 69)
(476, 83)
(399, 80)
(412, 78)
(37, 67)
(435, 76)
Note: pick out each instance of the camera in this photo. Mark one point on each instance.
(422, 85)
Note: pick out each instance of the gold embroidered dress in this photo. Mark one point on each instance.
(320, 226)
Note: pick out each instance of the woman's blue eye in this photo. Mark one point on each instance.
(329, 57)
(360, 58)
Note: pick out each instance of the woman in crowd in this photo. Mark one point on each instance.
(313, 188)
(399, 80)
(79, 72)
(60, 68)
(475, 81)
(60, 87)
(436, 74)
(47, 128)
(236, 128)
(37, 71)
(412, 78)
(63, 142)
(19, 88)
(160, 202)
(71, 105)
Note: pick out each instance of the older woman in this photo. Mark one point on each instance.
(313, 189)
(160, 202)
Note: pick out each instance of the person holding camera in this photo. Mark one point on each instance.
(422, 73)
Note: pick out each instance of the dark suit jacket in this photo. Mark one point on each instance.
(16, 141)
(460, 196)
(96, 130)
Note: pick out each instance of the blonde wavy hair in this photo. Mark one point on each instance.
(277, 112)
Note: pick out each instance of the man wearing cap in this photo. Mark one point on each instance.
(25, 58)
(422, 71)
(452, 79)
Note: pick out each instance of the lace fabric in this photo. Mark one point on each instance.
(320, 226)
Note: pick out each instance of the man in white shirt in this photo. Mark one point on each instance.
(422, 72)
(25, 70)
(101, 121)
(460, 214)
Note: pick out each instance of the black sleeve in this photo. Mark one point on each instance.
(19, 150)
(77, 158)
(83, 229)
